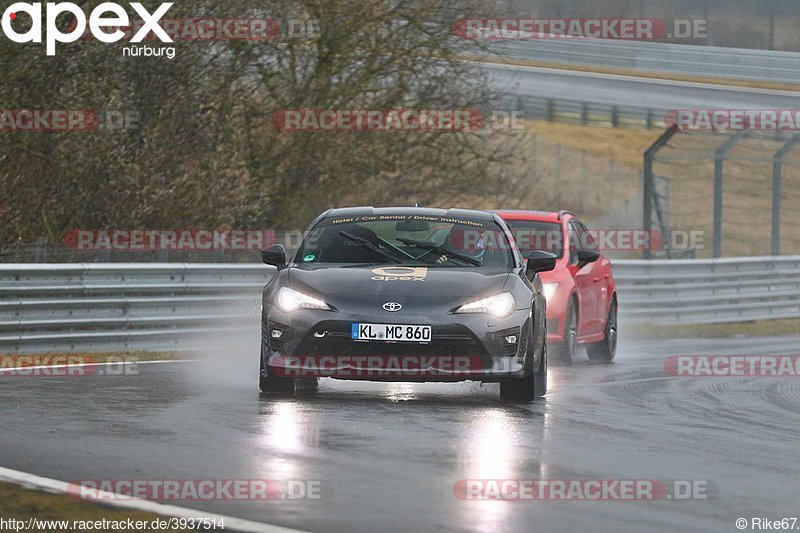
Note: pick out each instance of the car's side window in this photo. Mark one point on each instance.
(574, 243)
(586, 237)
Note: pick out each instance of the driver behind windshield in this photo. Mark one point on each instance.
(378, 242)
(465, 241)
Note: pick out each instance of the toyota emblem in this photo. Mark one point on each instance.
(392, 307)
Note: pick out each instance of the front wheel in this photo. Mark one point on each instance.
(517, 391)
(605, 350)
(530, 387)
(272, 384)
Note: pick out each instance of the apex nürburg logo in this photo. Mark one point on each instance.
(107, 15)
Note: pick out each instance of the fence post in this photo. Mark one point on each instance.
(584, 172)
(551, 110)
(719, 160)
(649, 157)
(614, 116)
(612, 168)
(777, 167)
(559, 155)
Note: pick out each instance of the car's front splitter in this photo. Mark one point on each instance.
(395, 367)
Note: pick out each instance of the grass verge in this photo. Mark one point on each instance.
(624, 145)
(23, 504)
(761, 328)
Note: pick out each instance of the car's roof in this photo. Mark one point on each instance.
(541, 216)
(423, 211)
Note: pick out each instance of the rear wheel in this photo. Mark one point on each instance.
(565, 351)
(605, 350)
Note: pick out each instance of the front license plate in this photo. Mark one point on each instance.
(391, 332)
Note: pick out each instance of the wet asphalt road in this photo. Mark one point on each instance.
(391, 453)
(633, 91)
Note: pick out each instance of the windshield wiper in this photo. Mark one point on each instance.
(440, 249)
(364, 243)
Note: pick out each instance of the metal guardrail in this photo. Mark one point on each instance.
(708, 61)
(167, 306)
(580, 112)
(708, 291)
(125, 306)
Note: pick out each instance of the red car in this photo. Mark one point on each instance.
(581, 293)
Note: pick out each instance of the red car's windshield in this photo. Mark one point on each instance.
(535, 235)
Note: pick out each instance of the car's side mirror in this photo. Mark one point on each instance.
(539, 261)
(587, 256)
(274, 255)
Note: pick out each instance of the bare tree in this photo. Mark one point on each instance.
(204, 150)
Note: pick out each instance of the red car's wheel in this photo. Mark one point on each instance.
(566, 349)
(605, 350)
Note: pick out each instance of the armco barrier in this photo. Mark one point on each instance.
(708, 291)
(125, 306)
(132, 306)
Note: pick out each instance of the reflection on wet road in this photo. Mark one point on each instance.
(390, 454)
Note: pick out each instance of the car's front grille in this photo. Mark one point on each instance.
(445, 341)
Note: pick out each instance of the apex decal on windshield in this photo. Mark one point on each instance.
(400, 273)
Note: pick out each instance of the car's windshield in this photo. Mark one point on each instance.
(407, 239)
(533, 235)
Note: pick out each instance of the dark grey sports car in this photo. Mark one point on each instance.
(406, 294)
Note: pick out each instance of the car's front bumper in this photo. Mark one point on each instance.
(463, 347)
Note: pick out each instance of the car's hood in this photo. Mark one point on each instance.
(448, 286)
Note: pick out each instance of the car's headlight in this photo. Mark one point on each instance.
(549, 290)
(289, 300)
(500, 305)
